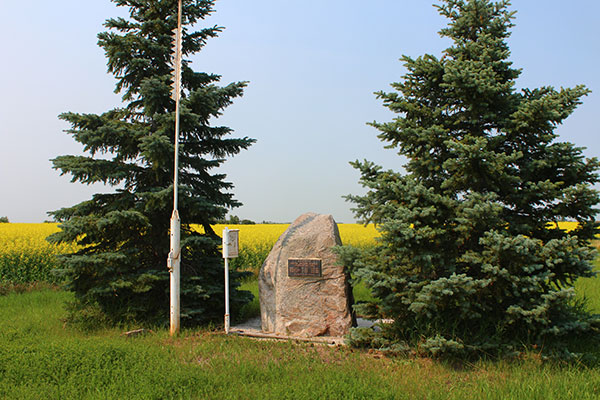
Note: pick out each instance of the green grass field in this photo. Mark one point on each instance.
(42, 358)
(589, 289)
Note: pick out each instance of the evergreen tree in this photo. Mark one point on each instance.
(471, 258)
(124, 236)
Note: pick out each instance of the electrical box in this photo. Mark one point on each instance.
(231, 243)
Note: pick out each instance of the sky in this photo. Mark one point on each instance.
(312, 68)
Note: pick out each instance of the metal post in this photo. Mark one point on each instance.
(174, 262)
(227, 295)
(226, 257)
(174, 259)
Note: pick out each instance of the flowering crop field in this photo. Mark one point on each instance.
(256, 241)
(26, 256)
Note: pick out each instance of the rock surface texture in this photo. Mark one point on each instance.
(305, 306)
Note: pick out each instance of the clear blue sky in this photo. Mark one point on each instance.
(312, 65)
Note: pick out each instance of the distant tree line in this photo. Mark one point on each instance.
(235, 220)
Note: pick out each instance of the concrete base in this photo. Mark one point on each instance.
(252, 328)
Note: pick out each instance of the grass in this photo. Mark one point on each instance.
(251, 309)
(41, 358)
(589, 288)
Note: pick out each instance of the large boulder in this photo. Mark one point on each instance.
(296, 297)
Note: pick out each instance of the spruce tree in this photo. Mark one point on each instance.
(471, 258)
(124, 235)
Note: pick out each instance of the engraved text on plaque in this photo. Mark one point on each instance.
(304, 268)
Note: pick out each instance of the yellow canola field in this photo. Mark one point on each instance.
(26, 256)
(256, 241)
(23, 238)
(566, 225)
(261, 235)
(27, 238)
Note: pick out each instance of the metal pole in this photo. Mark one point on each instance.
(227, 296)
(177, 96)
(174, 260)
(226, 257)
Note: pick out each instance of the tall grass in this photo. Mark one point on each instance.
(41, 358)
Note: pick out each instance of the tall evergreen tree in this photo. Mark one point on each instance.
(471, 257)
(124, 235)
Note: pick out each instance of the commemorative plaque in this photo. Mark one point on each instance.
(304, 268)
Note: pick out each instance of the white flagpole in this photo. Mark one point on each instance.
(174, 259)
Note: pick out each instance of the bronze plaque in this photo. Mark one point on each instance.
(304, 268)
